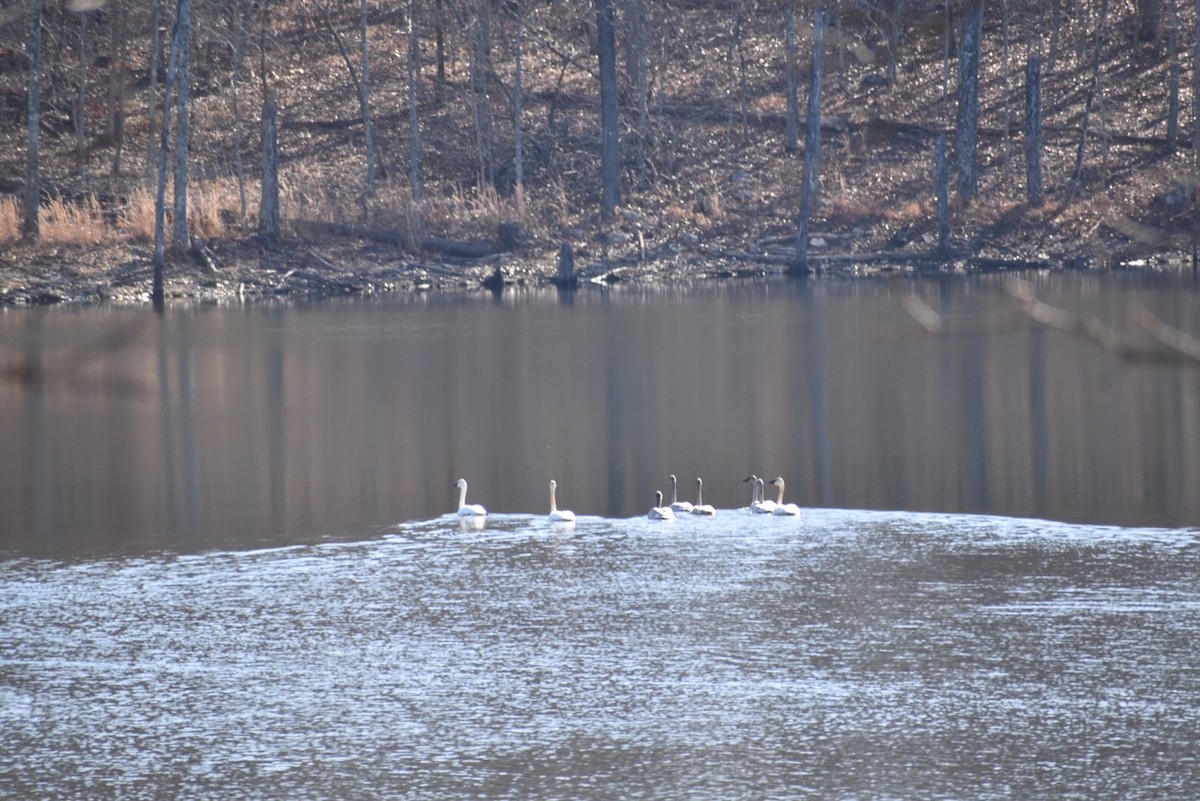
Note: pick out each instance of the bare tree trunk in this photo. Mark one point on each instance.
(361, 88)
(967, 129)
(481, 73)
(518, 131)
(812, 145)
(942, 179)
(155, 55)
(118, 76)
(413, 114)
(160, 200)
(1089, 101)
(610, 152)
(33, 191)
(1149, 15)
(180, 238)
(235, 82)
(1173, 70)
(81, 96)
(637, 68)
(1033, 131)
(365, 100)
(439, 22)
(791, 138)
(268, 209)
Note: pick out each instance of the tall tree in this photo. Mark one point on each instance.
(368, 125)
(610, 149)
(481, 77)
(967, 128)
(413, 112)
(180, 238)
(518, 74)
(637, 68)
(791, 137)
(33, 190)
(812, 144)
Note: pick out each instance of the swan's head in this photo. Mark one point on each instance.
(672, 480)
(658, 497)
(750, 477)
(777, 482)
(699, 482)
(553, 485)
(461, 483)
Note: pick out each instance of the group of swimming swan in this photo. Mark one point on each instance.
(659, 511)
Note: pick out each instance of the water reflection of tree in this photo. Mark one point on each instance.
(1167, 346)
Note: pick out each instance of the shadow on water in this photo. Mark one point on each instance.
(300, 423)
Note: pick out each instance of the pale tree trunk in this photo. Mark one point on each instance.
(180, 239)
(235, 82)
(518, 130)
(81, 96)
(160, 201)
(791, 137)
(413, 112)
(368, 125)
(269, 218)
(33, 194)
(480, 74)
(967, 128)
(155, 55)
(637, 68)
(610, 150)
(117, 78)
(812, 145)
(361, 88)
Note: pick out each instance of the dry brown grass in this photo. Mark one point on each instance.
(137, 218)
(66, 223)
(10, 220)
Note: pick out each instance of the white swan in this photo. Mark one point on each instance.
(660, 512)
(702, 508)
(758, 504)
(781, 508)
(676, 504)
(558, 515)
(464, 510)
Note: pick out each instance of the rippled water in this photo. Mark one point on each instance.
(843, 655)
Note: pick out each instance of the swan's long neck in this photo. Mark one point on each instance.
(762, 491)
(674, 498)
(462, 495)
(699, 492)
(753, 490)
(553, 503)
(780, 483)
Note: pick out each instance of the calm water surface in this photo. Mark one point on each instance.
(227, 567)
(260, 426)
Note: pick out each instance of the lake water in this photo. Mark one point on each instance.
(228, 563)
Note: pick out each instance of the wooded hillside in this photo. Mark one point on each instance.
(437, 121)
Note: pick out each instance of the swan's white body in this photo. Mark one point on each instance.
(465, 509)
(676, 504)
(702, 508)
(758, 504)
(558, 515)
(781, 508)
(660, 512)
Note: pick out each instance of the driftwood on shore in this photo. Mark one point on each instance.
(926, 258)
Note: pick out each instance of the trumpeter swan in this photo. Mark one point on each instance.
(702, 508)
(465, 510)
(758, 504)
(558, 515)
(781, 508)
(660, 512)
(676, 504)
